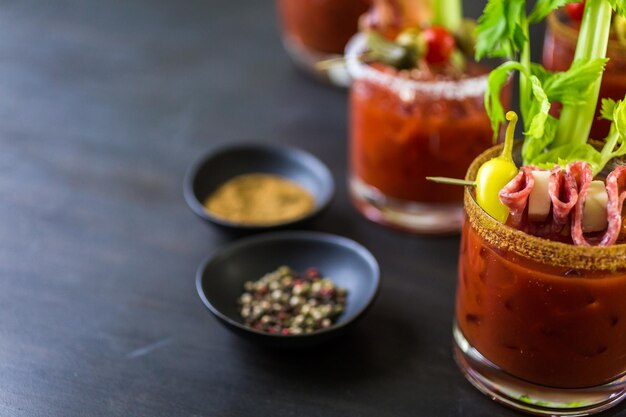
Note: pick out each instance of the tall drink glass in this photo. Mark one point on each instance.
(540, 325)
(403, 130)
(316, 30)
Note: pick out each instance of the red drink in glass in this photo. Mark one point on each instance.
(403, 130)
(540, 325)
(314, 30)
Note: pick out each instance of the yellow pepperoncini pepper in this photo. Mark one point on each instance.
(494, 174)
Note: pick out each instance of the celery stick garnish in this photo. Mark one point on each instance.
(448, 13)
(593, 41)
(503, 32)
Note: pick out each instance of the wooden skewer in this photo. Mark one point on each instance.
(329, 63)
(451, 181)
(341, 60)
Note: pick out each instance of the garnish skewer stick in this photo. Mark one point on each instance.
(452, 181)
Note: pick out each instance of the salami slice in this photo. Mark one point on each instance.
(568, 192)
(515, 194)
(616, 189)
(582, 175)
(564, 194)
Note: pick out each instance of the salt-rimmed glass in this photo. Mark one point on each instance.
(403, 130)
(558, 53)
(540, 325)
(318, 30)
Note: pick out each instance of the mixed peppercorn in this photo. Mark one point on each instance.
(284, 302)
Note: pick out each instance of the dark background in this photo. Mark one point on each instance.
(103, 105)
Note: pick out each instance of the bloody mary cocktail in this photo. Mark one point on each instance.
(314, 30)
(403, 130)
(531, 313)
(558, 53)
(540, 321)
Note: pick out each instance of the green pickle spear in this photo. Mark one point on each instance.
(494, 174)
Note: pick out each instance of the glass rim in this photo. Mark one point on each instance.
(556, 25)
(449, 89)
(543, 251)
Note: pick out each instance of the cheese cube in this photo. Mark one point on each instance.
(539, 201)
(594, 211)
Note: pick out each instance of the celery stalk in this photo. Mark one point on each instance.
(575, 122)
(524, 85)
(448, 13)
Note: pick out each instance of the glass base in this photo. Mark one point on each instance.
(405, 215)
(307, 60)
(528, 397)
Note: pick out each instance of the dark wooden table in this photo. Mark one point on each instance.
(103, 105)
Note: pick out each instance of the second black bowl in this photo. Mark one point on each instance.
(225, 162)
(220, 279)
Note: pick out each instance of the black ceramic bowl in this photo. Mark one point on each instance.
(220, 278)
(225, 162)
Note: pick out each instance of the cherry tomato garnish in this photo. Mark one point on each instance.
(575, 10)
(439, 44)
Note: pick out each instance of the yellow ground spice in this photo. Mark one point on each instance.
(259, 199)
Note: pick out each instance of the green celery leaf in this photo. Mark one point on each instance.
(540, 108)
(619, 119)
(545, 7)
(542, 127)
(608, 150)
(608, 107)
(565, 154)
(540, 72)
(571, 86)
(619, 124)
(499, 33)
(496, 81)
(619, 6)
(550, 129)
(535, 145)
(616, 112)
(621, 151)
